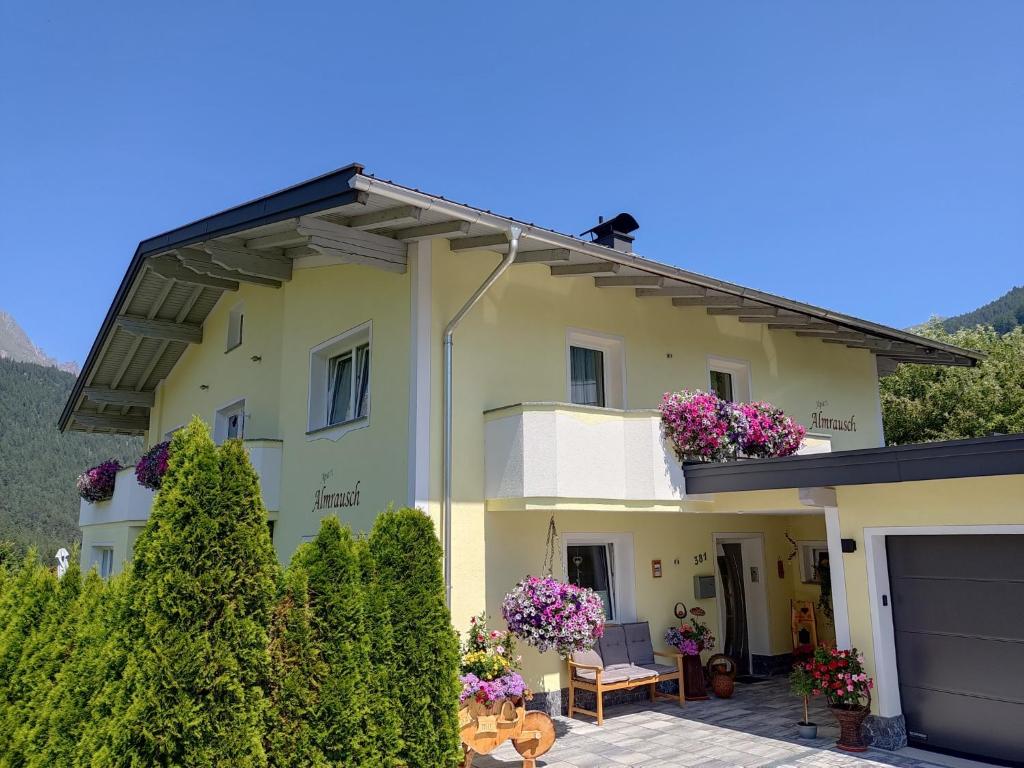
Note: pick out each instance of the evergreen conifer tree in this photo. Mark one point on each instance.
(425, 687)
(202, 592)
(297, 672)
(342, 724)
(384, 716)
(43, 653)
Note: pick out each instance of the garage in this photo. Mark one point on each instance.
(958, 617)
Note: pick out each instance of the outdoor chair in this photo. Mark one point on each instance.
(624, 658)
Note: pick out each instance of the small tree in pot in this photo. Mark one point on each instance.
(801, 683)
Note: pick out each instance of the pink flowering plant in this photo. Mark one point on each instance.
(690, 638)
(769, 432)
(150, 469)
(552, 615)
(97, 484)
(839, 676)
(490, 666)
(703, 427)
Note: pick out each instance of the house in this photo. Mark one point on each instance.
(374, 344)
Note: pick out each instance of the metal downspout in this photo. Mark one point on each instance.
(446, 460)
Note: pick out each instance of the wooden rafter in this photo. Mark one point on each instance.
(127, 397)
(480, 242)
(589, 268)
(672, 290)
(629, 281)
(354, 246)
(401, 215)
(117, 421)
(171, 268)
(543, 256)
(202, 262)
(268, 262)
(710, 299)
(427, 231)
(161, 329)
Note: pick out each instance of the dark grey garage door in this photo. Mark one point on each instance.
(958, 611)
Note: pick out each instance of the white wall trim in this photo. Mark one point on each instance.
(759, 634)
(420, 270)
(625, 566)
(883, 635)
(837, 570)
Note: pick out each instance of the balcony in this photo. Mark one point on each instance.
(132, 502)
(547, 454)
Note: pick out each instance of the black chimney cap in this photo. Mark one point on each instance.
(623, 224)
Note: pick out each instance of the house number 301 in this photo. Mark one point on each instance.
(698, 559)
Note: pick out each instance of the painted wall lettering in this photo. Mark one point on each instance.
(841, 424)
(330, 499)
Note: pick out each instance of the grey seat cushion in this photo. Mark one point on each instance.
(589, 658)
(638, 642)
(612, 645)
(661, 669)
(637, 673)
(617, 675)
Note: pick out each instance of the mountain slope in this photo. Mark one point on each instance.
(38, 465)
(1004, 314)
(16, 345)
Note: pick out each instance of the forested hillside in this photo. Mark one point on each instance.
(1004, 314)
(38, 465)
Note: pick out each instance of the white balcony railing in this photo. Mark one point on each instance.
(132, 502)
(560, 451)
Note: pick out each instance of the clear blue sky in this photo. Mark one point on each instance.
(868, 157)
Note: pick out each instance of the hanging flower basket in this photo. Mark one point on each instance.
(552, 615)
(152, 466)
(768, 432)
(97, 484)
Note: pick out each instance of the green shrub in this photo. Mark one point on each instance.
(343, 723)
(297, 672)
(202, 593)
(426, 688)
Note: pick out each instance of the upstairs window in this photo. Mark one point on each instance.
(229, 423)
(236, 323)
(586, 376)
(595, 369)
(729, 379)
(339, 381)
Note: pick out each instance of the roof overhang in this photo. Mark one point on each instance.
(175, 279)
(980, 457)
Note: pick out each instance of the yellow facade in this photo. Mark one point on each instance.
(512, 348)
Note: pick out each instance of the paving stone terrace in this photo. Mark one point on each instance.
(754, 728)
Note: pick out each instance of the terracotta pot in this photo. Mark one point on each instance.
(850, 722)
(693, 672)
(722, 685)
(722, 671)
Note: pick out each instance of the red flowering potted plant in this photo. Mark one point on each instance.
(839, 676)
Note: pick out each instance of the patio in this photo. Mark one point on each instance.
(754, 728)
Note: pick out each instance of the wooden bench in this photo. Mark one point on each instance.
(623, 658)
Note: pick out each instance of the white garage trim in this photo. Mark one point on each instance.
(883, 636)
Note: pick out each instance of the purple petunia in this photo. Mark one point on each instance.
(550, 614)
(97, 484)
(150, 469)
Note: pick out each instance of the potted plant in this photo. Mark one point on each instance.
(839, 676)
(552, 615)
(97, 484)
(802, 684)
(690, 639)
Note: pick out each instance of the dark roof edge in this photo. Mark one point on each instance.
(326, 191)
(977, 457)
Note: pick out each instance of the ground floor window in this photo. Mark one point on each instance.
(603, 562)
(104, 559)
(590, 565)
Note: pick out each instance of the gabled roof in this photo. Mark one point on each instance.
(175, 279)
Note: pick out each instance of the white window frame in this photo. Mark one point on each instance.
(614, 353)
(320, 358)
(223, 414)
(740, 372)
(623, 567)
(236, 328)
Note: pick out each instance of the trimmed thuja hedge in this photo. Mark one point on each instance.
(205, 652)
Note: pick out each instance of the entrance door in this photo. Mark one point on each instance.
(736, 642)
(960, 641)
